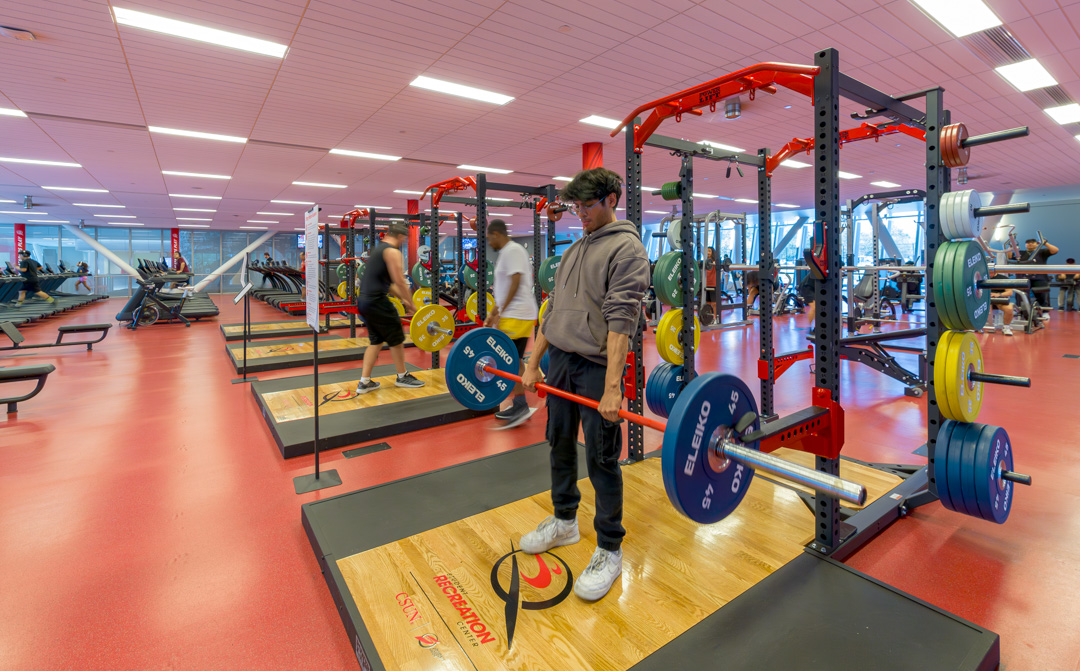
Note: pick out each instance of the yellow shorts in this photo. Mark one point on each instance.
(516, 328)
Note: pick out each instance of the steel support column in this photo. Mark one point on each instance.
(635, 442)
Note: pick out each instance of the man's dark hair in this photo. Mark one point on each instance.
(1070, 260)
(1031, 240)
(592, 184)
(397, 228)
(496, 226)
(25, 252)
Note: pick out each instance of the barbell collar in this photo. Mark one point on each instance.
(996, 136)
(822, 483)
(1018, 478)
(1008, 208)
(1007, 380)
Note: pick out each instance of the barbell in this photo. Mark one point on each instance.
(706, 465)
(431, 328)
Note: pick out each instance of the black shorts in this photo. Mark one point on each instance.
(30, 286)
(382, 320)
(521, 344)
(806, 292)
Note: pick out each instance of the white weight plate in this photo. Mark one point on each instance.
(975, 224)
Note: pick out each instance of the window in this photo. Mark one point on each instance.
(7, 244)
(205, 257)
(232, 243)
(116, 281)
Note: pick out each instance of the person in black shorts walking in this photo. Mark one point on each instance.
(384, 275)
(29, 269)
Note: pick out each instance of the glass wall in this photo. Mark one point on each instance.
(7, 245)
(111, 279)
(287, 249)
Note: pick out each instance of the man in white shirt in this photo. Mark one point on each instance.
(515, 311)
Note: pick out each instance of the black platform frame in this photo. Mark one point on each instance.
(295, 438)
(812, 613)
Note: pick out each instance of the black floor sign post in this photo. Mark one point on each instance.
(317, 480)
(245, 293)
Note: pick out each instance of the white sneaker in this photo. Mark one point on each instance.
(598, 577)
(551, 533)
(1007, 330)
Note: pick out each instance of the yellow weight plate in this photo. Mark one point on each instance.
(543, 309)
(667, 336)
(398, 305)
(968, 393)
(943, 384)
(421, 296)
(423, 325)
(343, 291)
(472, 306)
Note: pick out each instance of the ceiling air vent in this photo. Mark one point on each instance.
(996, 46)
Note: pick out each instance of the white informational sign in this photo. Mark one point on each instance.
(311, 266)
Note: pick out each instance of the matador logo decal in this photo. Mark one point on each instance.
(552, 583)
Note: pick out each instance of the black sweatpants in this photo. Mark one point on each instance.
(603, 445)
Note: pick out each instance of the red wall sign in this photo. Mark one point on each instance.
(20, 238)
(175, 235)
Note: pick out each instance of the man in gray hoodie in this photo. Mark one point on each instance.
(592, 314)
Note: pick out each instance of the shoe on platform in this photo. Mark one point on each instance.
(1007, 330)
(407, 380)
(603, 570)
(551, 533)
(365, 387)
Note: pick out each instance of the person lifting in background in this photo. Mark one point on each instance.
(29, 269)
(1038, 253)
(592, 314)
(514, 312)
(1006, 308)
(1067, 294)
(710, 281)
(384, 275)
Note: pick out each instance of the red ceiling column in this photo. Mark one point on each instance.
(414, 235)
(592, 155)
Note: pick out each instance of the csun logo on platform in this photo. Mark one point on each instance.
(549, 587)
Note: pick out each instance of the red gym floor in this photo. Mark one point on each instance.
(149, 521)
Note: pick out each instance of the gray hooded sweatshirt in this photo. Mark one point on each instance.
(598, 288)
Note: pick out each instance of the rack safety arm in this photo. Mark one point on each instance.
(865, 131)
(440, 189)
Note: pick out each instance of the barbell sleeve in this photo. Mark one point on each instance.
(1004, 283)
(996, 136)
(1007, 380)
(824, 483)
(1007, 208)
(439, 329)
(1018, 478)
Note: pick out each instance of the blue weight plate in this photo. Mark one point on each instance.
(994, 455)
(955, 469)
(466, 385)
(545, 361)
(693, 480)
(967, 468)
(671, 390)
(940, 471)
(659, 386)
(650, 389)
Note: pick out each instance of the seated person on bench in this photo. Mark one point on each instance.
(29, 269)
(1038, 253)
(1067, 294)
(1006, 308)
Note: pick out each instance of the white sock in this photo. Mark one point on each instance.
(365, 380)
(402, 375)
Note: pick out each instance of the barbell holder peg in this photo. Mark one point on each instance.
(823, 483)
(1018, 478)
(1007, 380)
(1004, 283)
(1006, 208)
(996, 136)
(438, 329)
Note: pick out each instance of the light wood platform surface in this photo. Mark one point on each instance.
(295, 404)
(238, 329)
(300, 347)
(675, 573)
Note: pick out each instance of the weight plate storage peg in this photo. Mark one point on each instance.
(432, 328)
(704, 487)
(546, 276)
(958, 356)
(668, 343)
(467, 382)
(472, 306)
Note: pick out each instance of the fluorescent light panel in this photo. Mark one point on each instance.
(745, 200)
(260, 221)
(292, 202)
(7, 111)
(656, 212)
(364, 154)
(193, 225)
(74, 188)
(47, 221)
(1027, 75)
(601, 121)
(276, 214)
(960, 17)
(192, 195)
(886, 185)
(326, 186)
(117, 216)
(92, 205)
(460, 90)
(192, 219)
(373, 207)
(193, 31)
(178, 173)
(6, 201)
(725, 147)
(1063, 114)
(704, 195)
(26, 212)
(198, 134)
(480, 168)
(34, 161)
(192, 209)
(792, 163)
(785, 205)
(563, 179)
(847, 175)
(253, 228)
(124, 223)
(411, 193)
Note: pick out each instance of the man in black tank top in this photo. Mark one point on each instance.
(384, 275)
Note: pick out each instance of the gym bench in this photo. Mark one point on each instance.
(17, 338)
(870, 349)
(37, 373)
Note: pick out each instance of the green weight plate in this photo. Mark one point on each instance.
(671, 191)
(342, 271)
(491, 275)
(957, 450)
(969, 268)
(546, 275)
(940, 263)
(661, 284)
(994, 495)
(421, 275)
(469, 277)
(953, 321)
(939, 470)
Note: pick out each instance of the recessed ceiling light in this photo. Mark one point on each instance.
(1077, 137)
(501, 200)
(34, 161)
(47, 221)
(416, 193)
(178, 173)
(253, 228)
(6, 201)
(847, 175)
(29, 214)
(92, 205)
(1027, 75)
(326, 186)
(7, 111)
(124, 223)
(744, 200)
(725, 147)
(704, 195)
(292, 202)
(191, 195)
(116, 216)
(364, 154)
(192, 219)
(192, 209)
(298, 229)
(192, 31)
(461, 90)
(260, 221)
(656, 212)
(1063, 114)
(785, 205)
(886, 185)
(960, 17)
(373, 207)
(563, 179)
(193, 225)
(195, 133)
(276, 214)
(601, 121)
(479, 168)
(649, 188)
(74, 188)
(792, 163)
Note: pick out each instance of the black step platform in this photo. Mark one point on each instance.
(279, 329)
(812, 613)
(262, 357)
(296, 437)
